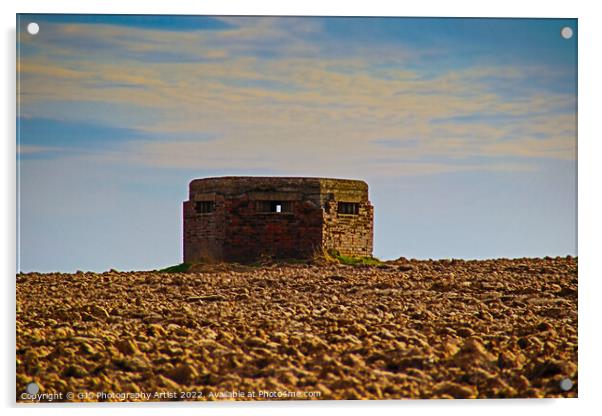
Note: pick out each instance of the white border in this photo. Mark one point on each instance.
(589, 190)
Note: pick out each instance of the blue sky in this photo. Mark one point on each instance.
(465, 129)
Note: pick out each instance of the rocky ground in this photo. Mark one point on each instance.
(403, 329)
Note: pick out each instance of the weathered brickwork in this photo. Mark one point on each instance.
(249, 218)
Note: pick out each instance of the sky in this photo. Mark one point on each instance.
(464, 129)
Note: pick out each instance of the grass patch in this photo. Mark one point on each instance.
(178, 268)
(335, 256)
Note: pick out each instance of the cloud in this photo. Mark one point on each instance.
(32, 149)
(280, 95)
(149, 22)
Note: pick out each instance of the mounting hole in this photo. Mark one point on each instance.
(566, 32)
(566, 384)
(33, 28)
(32, 388)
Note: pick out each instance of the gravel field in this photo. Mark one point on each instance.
(402, 329)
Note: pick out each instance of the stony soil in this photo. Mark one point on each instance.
(404, 329)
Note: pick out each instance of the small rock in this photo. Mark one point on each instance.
(457, 391)
(338, 277)
(506, 359)
(165, 382)
(544, 326)
(255, 342)
(182, 374)
(550, 368)
(156, 330)
(87, 349)
(134, 364)
(127, 347)
(75, 371)
(99, 312)
(472, 353)
(465, 332)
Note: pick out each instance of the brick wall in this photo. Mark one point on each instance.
(251, 234)
(242, 227)
(350, 235)
(204, 234)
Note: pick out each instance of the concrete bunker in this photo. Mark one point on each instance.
(245, 218)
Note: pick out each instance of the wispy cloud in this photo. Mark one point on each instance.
(152, 22)
(273, 90)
